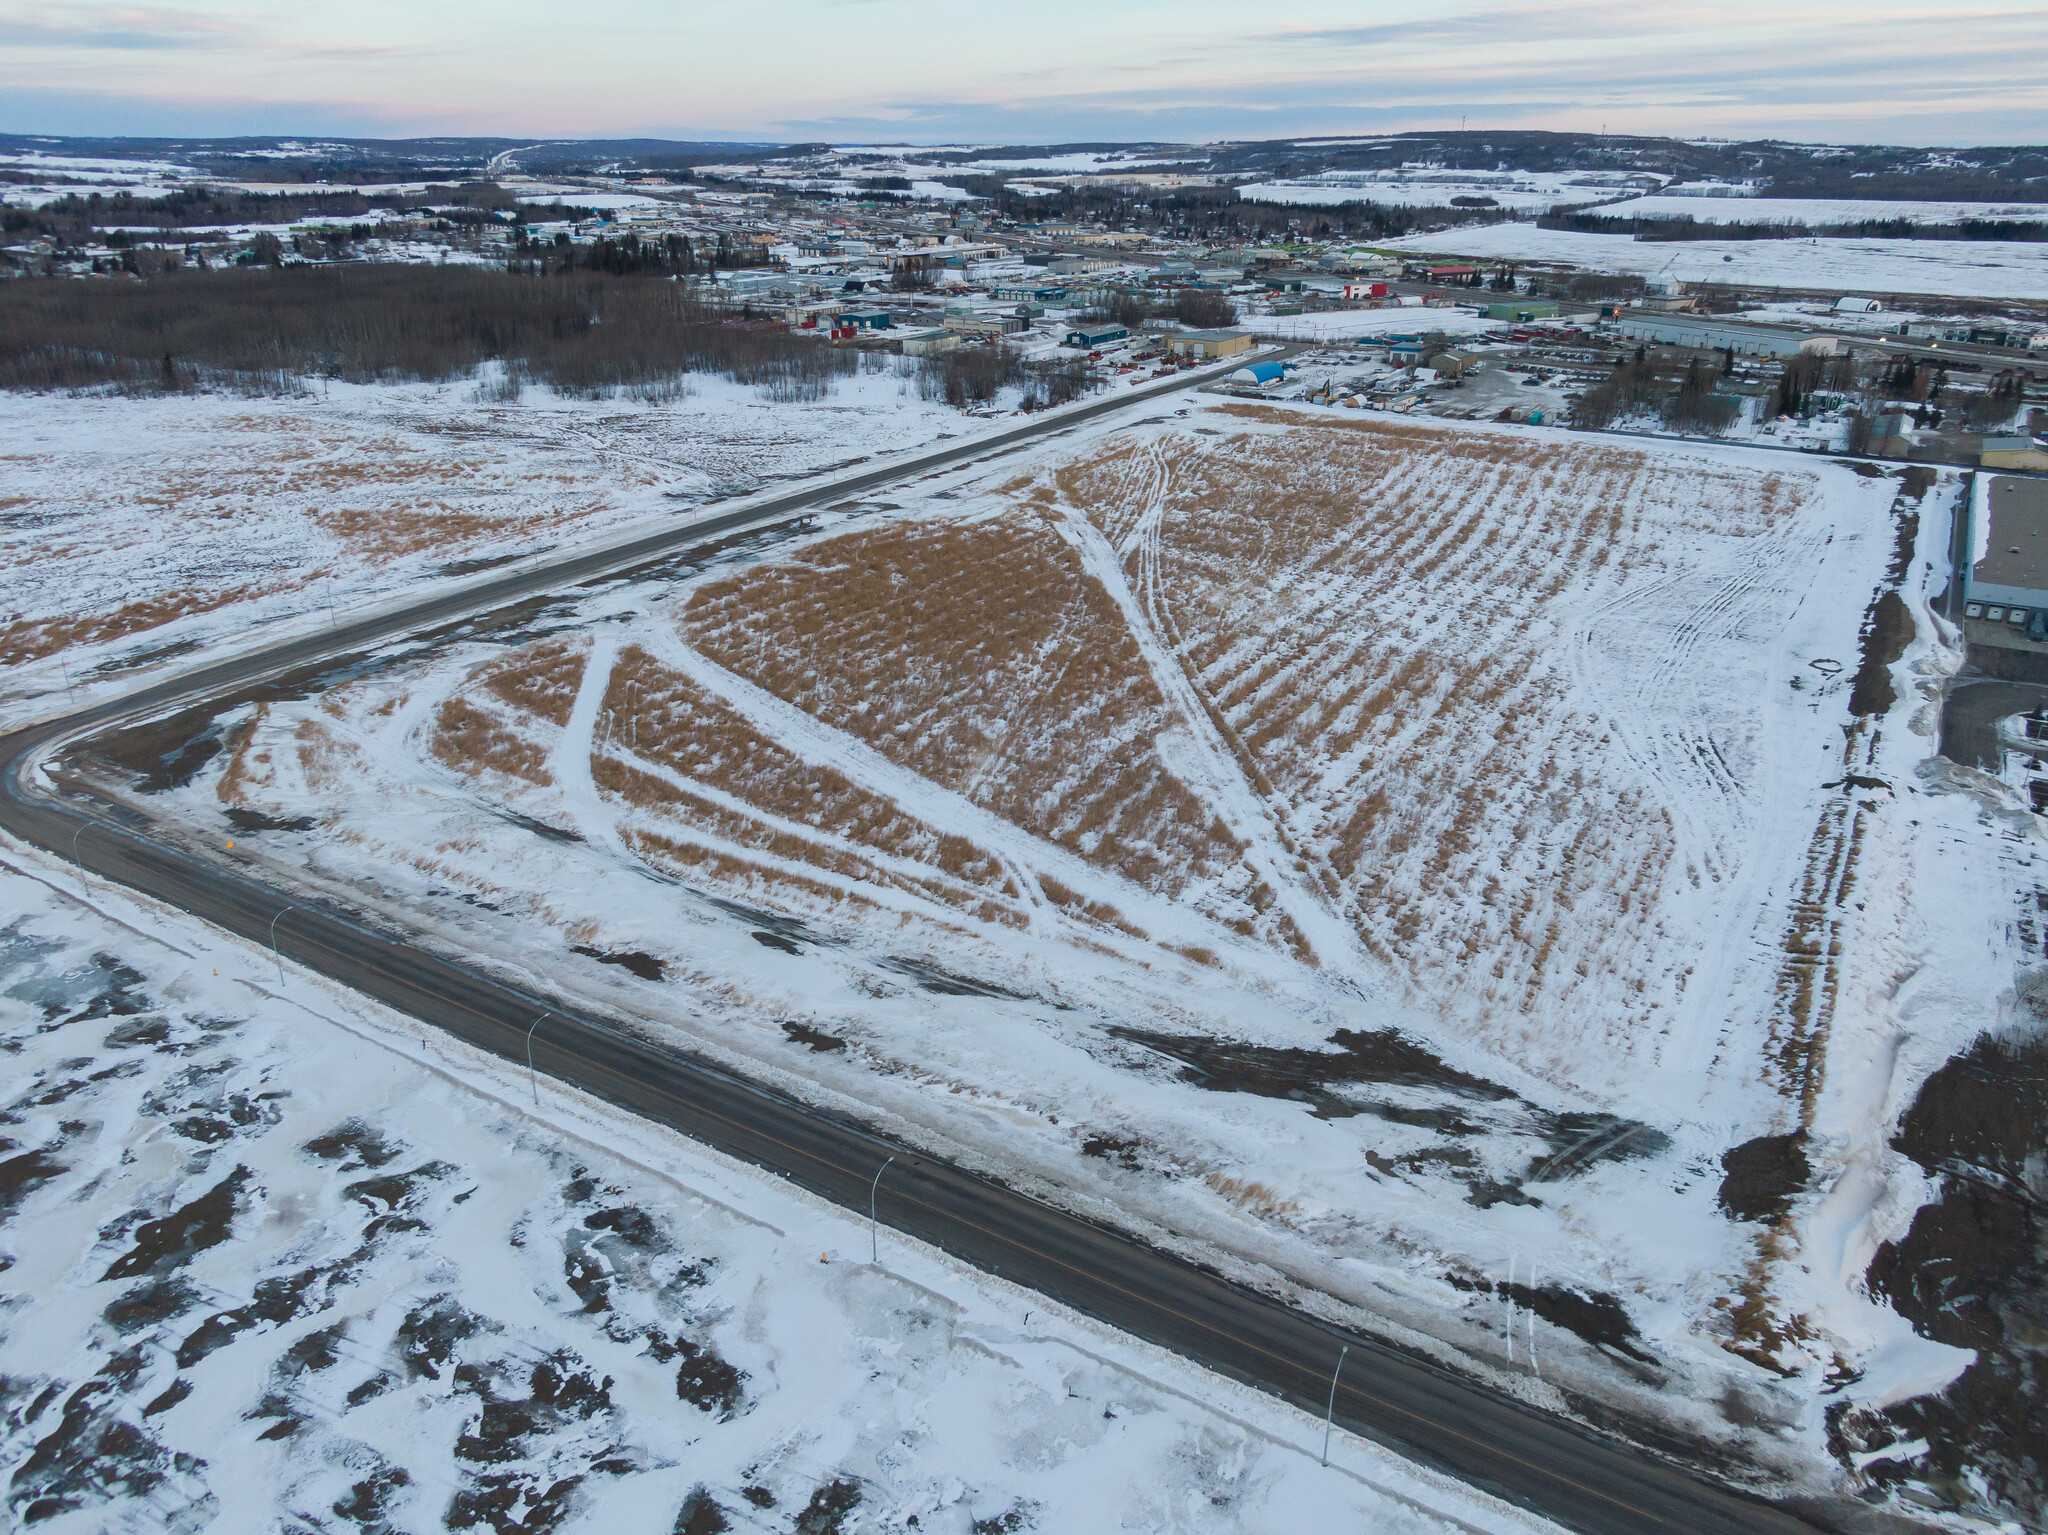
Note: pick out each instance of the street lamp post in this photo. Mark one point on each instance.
(273, 947)
(531, 1075)
(1330, 1412)
(82, 828)
(874, 1227)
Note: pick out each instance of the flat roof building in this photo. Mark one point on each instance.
(2012, 453)
(2010, 583)
(1208, 343)
(986, 324)
(1723, 335)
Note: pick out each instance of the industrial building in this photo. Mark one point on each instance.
(2012, 453)
(1724, 335)
(1891, 436)
(986, 324)
(931, 344)
(2010, 583)
(1089, 336)
(1208, 343)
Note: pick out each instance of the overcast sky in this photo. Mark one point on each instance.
(925, 72)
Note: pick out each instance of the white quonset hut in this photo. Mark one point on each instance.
(2008, 583)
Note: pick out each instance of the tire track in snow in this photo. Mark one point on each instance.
(1244, 802)
(922, 799)
(569, 761)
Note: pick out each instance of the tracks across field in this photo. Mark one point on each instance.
(1579, 1479)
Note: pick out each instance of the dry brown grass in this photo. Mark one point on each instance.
(665, 718)
(980, 656)
(773, 887)
(541, 679)
(1368, 599)
(472, 741)
(388, 532)
(1095, 911)
(31, 639)
(216, 508)
(1256, 1197)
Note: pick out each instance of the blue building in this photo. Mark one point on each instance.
(1259, 373)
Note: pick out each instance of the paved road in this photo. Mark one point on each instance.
(1583, 1481)
(1971, 712)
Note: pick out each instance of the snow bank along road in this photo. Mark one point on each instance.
(1582, 1481)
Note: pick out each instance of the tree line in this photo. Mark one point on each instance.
(1682, 227)
(589, 332)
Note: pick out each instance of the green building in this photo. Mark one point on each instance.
(1522, 311)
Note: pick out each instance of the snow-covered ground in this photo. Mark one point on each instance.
(2015, 269)
(1532, 192)
(272, 1258)
(1345, 324)
(1818, 210)
(1378, 857)
(142, 530)
(579, 197)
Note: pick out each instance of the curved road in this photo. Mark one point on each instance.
(1970, 714)
(1583, 1481)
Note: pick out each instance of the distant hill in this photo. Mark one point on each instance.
(1774, 168)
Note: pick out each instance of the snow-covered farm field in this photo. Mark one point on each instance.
(1530, 192)
(273, 1259)
(1807, 211)
(2010, 269)
(1399, 859)
(138, 530)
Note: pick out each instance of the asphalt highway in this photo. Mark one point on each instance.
(1580, 1479)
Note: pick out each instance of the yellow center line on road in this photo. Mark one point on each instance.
(1154, 1304)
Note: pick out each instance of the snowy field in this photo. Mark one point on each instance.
(84, 176)
(1347, 324)
(2014, 269)
(1521, 193)
(139, 531)
(271, 1259)
(1818, 210)
(1384, 857)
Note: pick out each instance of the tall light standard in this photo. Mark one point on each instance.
(83, 826)
(273, 947)
(874, 1227)
(1330, 1412)
(531, 1076)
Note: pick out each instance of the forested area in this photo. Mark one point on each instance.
(262, 328)
(590, 331)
